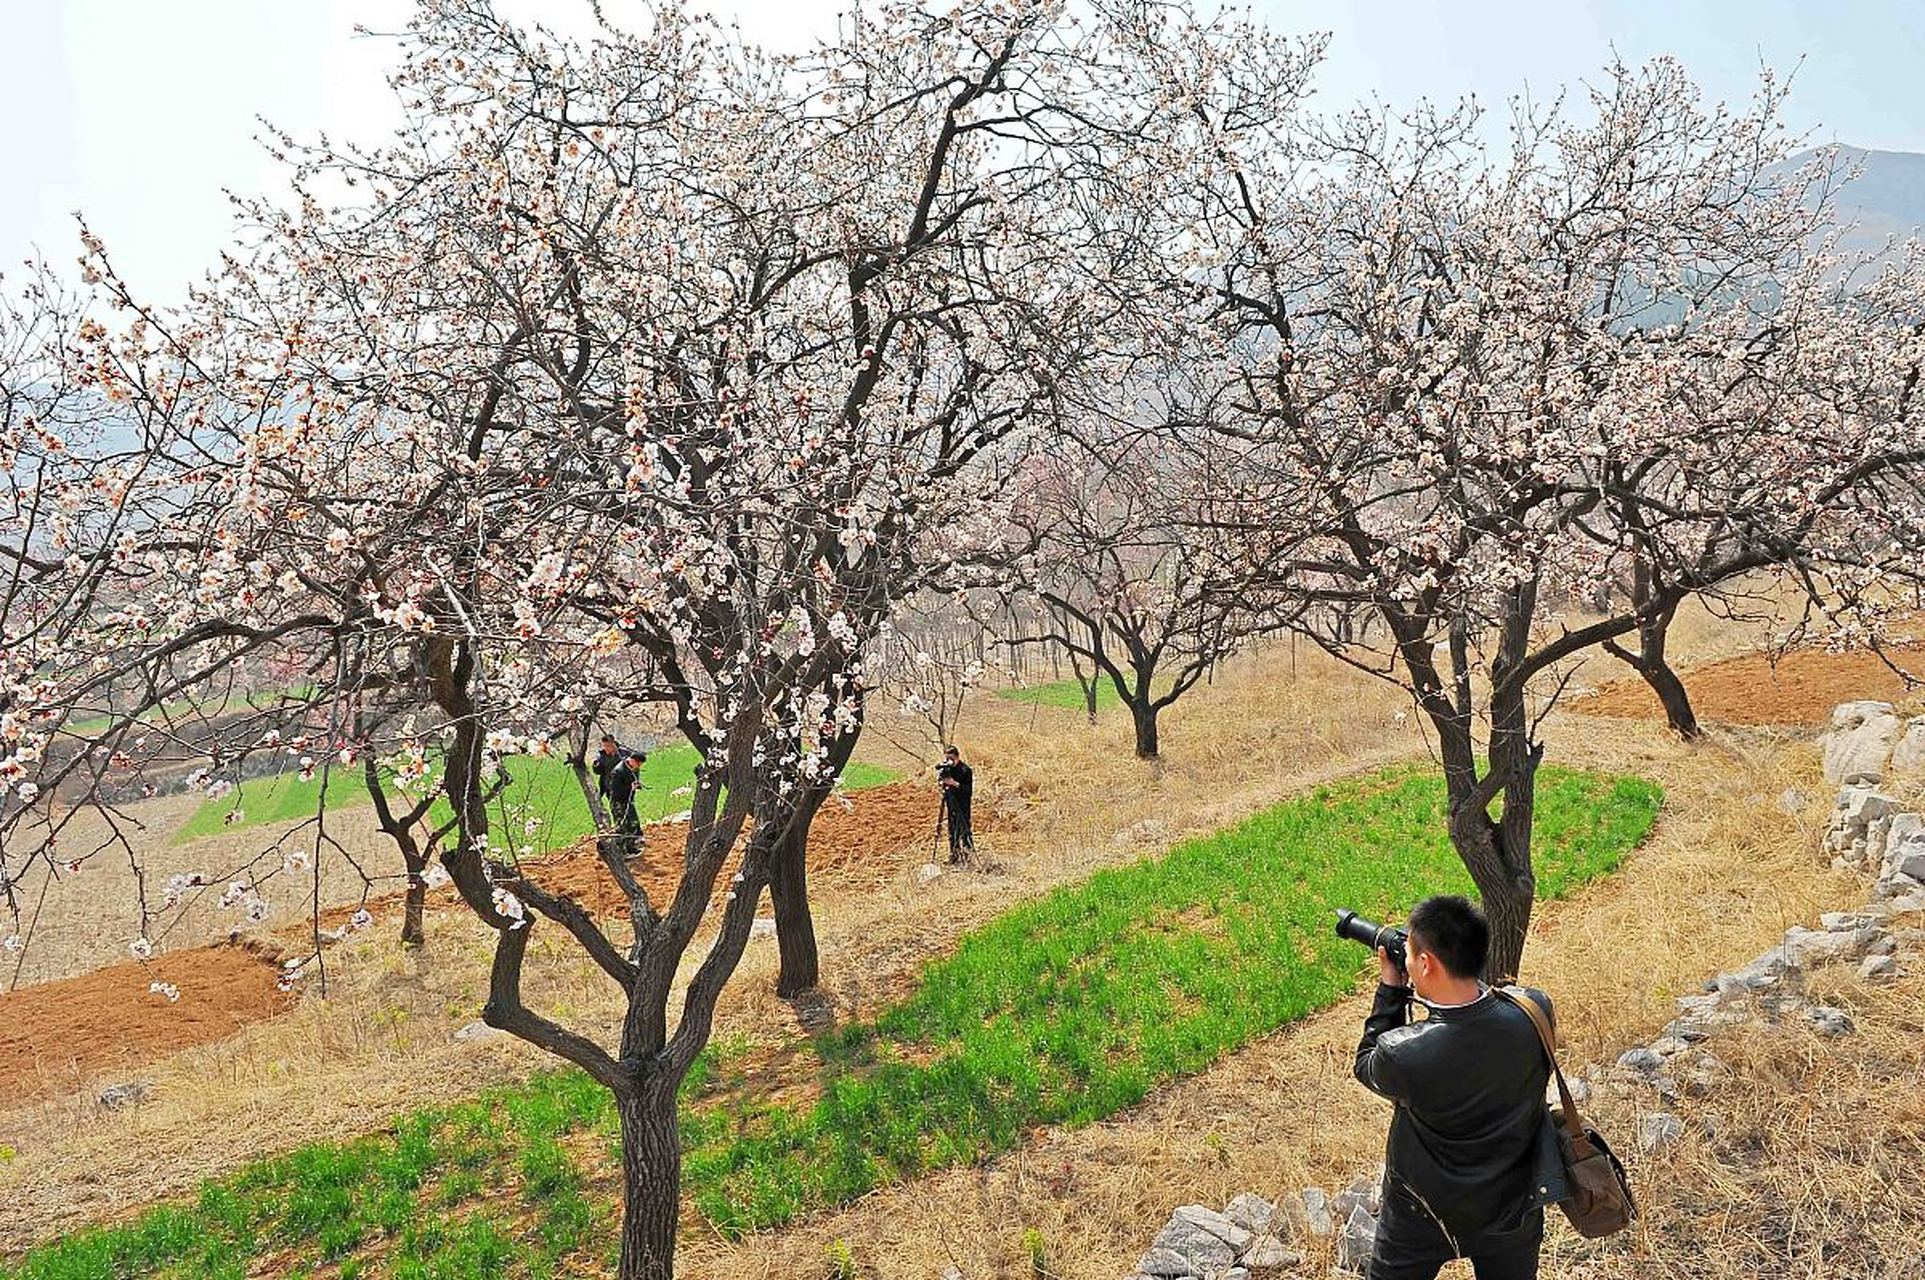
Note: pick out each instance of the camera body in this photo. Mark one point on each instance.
(1373, 935)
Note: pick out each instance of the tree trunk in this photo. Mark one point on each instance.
(1650, 662)
(1678, 712)
(1143, 711)
(651, 1181)
(412, 932)
(794, 929)
(1506, 900)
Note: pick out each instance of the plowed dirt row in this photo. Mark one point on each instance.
(1800, 689)
(55, 1036)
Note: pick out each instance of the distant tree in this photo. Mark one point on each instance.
(1131, 568)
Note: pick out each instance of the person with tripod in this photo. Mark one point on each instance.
(958, 786)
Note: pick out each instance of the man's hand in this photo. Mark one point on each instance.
(1388, 971)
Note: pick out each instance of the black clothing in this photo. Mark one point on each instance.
(955, 805)
(1471, 1159)
(621, 783)
(1512, 1263)
(604, 763)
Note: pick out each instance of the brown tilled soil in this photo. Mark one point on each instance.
(1800, 688)
(54, 1035)
(848, 844)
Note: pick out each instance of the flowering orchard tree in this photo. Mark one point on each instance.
(1479, 392)
(641, 376)
(1134, 557)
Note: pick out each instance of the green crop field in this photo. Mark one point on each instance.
(1063, 693)
(1062, 1011)
(542, 802)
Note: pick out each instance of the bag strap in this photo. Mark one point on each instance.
(1516, 996)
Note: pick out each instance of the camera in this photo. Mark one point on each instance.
(1373, 935)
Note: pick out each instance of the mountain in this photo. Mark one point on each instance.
(1885, 200)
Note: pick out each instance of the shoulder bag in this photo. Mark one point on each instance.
(1600, 1203)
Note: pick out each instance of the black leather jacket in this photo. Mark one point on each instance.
(1471, 1159)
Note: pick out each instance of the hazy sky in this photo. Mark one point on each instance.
(140, 112)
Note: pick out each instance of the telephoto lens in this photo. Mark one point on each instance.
(1373, 935)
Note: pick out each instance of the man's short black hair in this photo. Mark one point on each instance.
(950, 750)
(1455, 931)
(636, 753)
(608, 737)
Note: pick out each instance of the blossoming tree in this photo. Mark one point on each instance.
(1482, 391)
(638, 376)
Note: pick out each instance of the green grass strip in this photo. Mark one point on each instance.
(1062, 1011)
(1065, 695)
(542, 792)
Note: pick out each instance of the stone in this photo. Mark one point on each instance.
(951, 1273)
(928, 873)
(1878, 969)
(1901, 827)
(1356, 1195)
(1268, 1252)
(1703, 1074)
(1207, 1219)
(1858, 748)
(1665, 1046)
(1358, 1242)
(1810, 947)
(1659, 1130)
(1251, 1212)
(1316, 1212)
(1166, 1264)
(1200, 1249)
(478, 1031)
(1793, 801)
(1908, 753)
(1828, 1021)
(1845, 921)
(1860, 806)
(1689, 1030)
(128, 1094)
(1697, 1004)
(1640, 1059)
(762, 927)
(1907, 859)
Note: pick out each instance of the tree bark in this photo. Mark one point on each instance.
(413, 933)
(794, 927)
(651, 1181)
(1651, 662)
(1143, 711)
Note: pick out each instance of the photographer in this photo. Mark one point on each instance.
(958, 788)
(1471, 1159)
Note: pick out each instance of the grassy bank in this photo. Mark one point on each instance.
(1062, 1011)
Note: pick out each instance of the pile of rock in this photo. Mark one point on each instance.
(1253, 1238)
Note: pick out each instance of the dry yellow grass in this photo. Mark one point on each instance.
(1725, 872)
(380, 1045)
(1723, 875)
